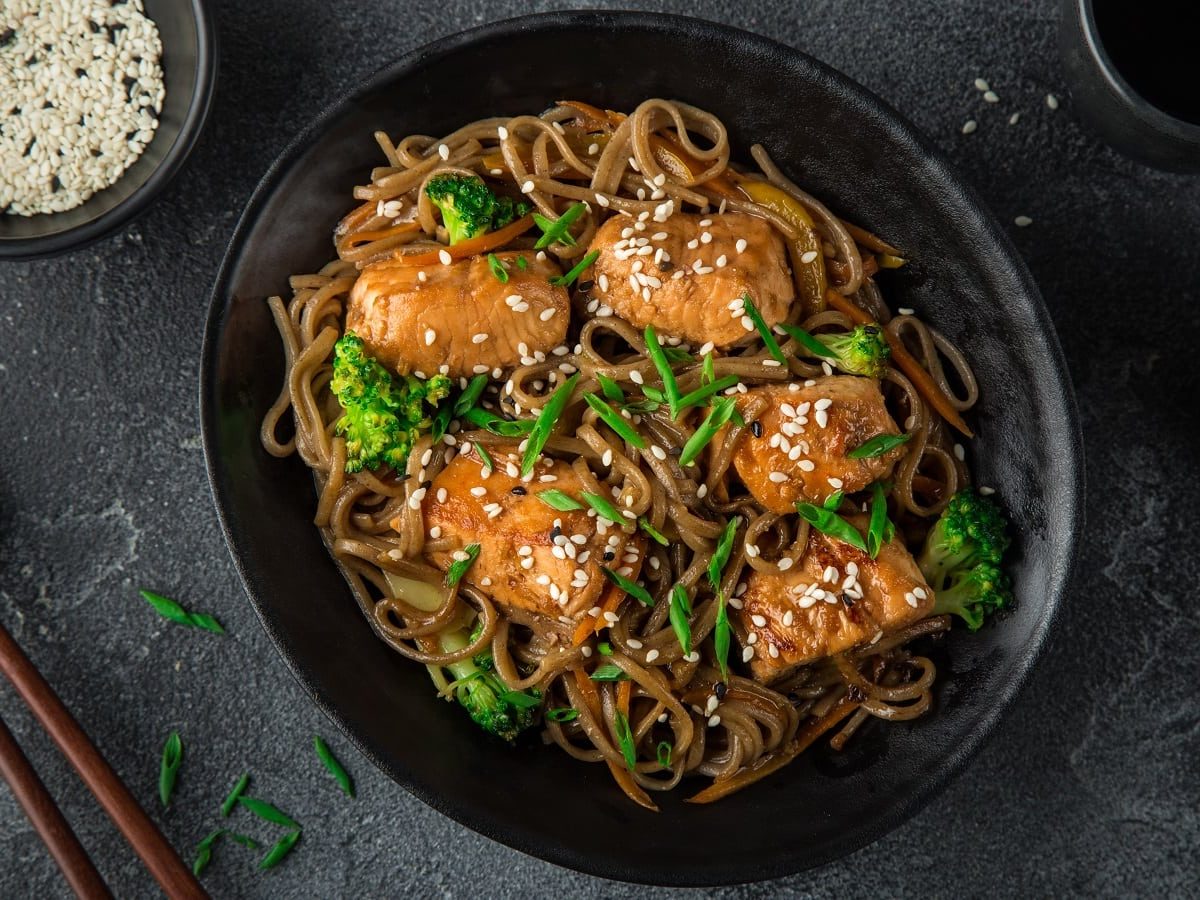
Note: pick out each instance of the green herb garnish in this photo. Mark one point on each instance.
(470, 395)
(716, 563)
(459, 567)
(810, 343)
(828, 522)
(604, 507)
(168, 770)
(614, 421)
(604, 648)
(522, 263)
(624, 739)
(204, 851)
(609, 672)
(497, 268)
(708, 372)
(521, 699)
(834, 501)
(610, 389)
(562, 714)
(878, 522)
(681, 610)
(764, 331)
(653, 393)
(556, 499)
(878, 445)
(489, 421)
(578, 269)
(169, 609)
(544, 424)
(658, 536)
(707, 390)
(665, 372)
(721, 632)
(339, 773)
(557, 230)
(632, 588)
(268, 812)
(441, 421)
(281, 849)
(238, 789)
(484, 456)
(719, 413)
(663, 751)
(677, 355)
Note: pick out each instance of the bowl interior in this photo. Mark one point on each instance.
(182, 28)
(845, 146)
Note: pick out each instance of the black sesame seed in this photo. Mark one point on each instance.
(519, 490)
(721, 690)
(555, 532)
(586, 286)
(756, 428)
(848, 600)
(609, 556)
(427, 484)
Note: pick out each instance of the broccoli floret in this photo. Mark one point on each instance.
(962, 555)
(980, 590)
(469, 207)
(489, 703)
(863, 351)
(383, 414)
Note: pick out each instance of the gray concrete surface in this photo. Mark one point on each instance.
(1089, 788)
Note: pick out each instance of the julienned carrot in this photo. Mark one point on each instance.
(473, 247)
(619, 773)
(612, 599)
(905, 361)
(593, 116)
(804, 739)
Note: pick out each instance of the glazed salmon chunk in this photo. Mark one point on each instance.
(833, 599)
(799, 453)
(459, 318)
(531, 557)
(684, 275)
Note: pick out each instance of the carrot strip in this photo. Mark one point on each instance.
(620, 774)
(804, 739)
(612, 598)
(905, 361)
(593, 117)
(484, 243)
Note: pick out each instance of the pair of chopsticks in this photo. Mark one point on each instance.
(148, 842)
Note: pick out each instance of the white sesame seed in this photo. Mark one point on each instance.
(547, 314)
(714, 721)
(441, 495)
(981, 85)
(721, 260)
(752, 550)
(659, 452)
(986, 491)
(502, 133)
(740, 245)
(527, 562)
(910, 599)
(747, 323)
(808, 257)
(636, 377)
(1014, 118)
(773, 650)
(1052, 101)
(478, 491)
(607, 459)
(822, 418)
(527, 187)
(1022, 221)
(443, 151)
(835, 483)
(702, 491)
(919, 593)
(444, 257)
(991, 97)
(806, 465)
(778, 477)
(905, 311)
(969, 126)
(759, 621)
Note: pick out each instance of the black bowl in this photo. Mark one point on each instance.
(189, 62)
(850, 149)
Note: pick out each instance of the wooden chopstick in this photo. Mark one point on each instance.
(48, 820)
(143, 835)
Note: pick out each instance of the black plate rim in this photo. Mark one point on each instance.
(715, 872)
(207, 56)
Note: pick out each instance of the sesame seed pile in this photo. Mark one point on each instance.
(81, 88)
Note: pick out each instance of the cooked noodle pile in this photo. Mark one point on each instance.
(729, 732)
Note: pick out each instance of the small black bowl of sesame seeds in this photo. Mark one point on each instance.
(99, 108)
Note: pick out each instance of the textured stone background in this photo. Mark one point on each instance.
(1091, 785)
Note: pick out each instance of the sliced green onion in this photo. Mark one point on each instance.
(716, 563)
(878, 522)
(268, 812)
(604, 507)
(721, 632)
(459, 567)
(168, 770)
(878, 445)
(676, 355)
(632, 588)
(170, 609)
(834, 501)
(658, 536)
(336, 769)
(615, 421)
(719, 413)
(497, 268)
(556, 499)
(489, 421)
(238, 790)
(521, 699)
(665, 372)
(663, 751)
(557, 230)
(705, 391)
(604, 648)
(708, 372)
(281, 849)
(204, 851)
(470, 395)
(681, 609)
(544, 424)
(611, 390)
(441, 420)
(484, 456)
(764, 331)
(578, 269)
(810, 343)
(609, 672)
(562, 714)
(624, 739)
(244, 839)
(642, 406)
(828, 522)
(654, 394)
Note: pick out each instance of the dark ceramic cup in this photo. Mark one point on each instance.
(1118, 61)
